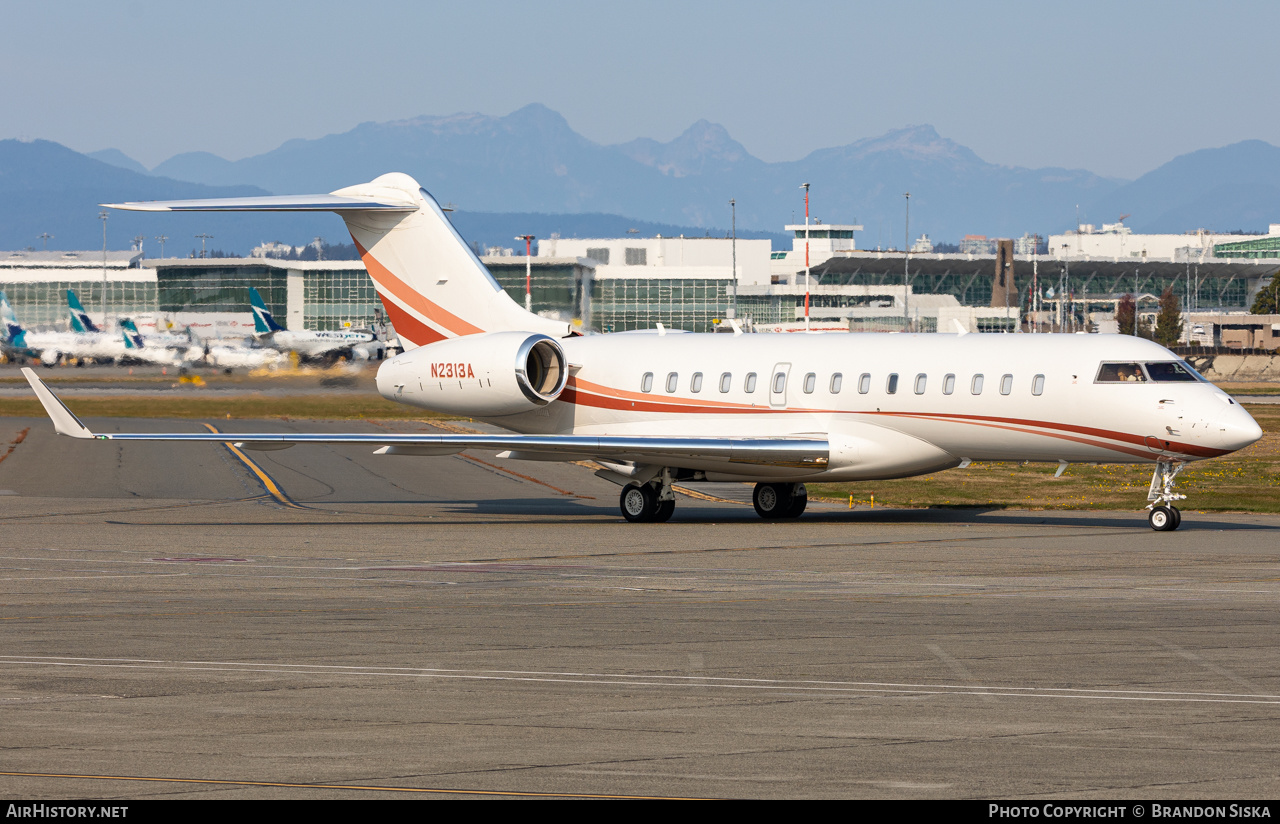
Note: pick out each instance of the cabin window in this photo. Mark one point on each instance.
(976, 386)
(948, 384)
(779, 383)
(725, 380)
(891, 385)
(921, 379)
(672, 379)
(810, 383)
(1171, 371)
(646, 383)
(864, 383)
(750, 385)
(1006, 384)
(1037, 385)
(836, 380)
(695, 385)
(1120, 373)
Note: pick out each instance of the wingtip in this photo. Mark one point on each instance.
(64, 422)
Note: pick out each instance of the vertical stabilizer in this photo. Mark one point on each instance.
(264, 323)
(79, 318)
(430, 282)
(14, 334)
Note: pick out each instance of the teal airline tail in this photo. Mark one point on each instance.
(132, 337)
(14, 334)
(79, 318)
(263, 322)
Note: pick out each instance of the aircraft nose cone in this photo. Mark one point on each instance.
(1237, 429)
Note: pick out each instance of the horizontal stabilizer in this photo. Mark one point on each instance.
(272, 203)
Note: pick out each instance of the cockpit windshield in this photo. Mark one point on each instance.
(1121, 373)
(1171, 372)
(1158, 372)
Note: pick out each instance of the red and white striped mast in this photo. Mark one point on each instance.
(528, 271)
(805, 186)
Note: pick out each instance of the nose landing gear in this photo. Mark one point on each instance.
(1163, 515)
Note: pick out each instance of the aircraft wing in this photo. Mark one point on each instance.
(699, 453)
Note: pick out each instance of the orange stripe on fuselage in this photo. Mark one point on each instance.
(1139, 440)
(410, 297)
(586, 393)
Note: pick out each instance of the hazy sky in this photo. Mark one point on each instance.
(1114, 87)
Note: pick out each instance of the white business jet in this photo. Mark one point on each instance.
(654, 408)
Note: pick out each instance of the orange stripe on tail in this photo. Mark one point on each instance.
(396, 288)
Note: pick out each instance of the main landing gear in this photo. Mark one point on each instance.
(774, 501)
(652, 502)
(1163, 515)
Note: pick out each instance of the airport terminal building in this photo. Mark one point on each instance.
(693, 283)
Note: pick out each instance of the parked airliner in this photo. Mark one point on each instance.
(86, 343)
(305, 342)
(654, 408)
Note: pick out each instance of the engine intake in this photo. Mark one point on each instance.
(488, 375)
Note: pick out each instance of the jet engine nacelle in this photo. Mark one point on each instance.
(481, 376)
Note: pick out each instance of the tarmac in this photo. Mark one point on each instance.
(322, 622)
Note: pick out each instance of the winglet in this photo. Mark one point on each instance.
(64, 422)
(961, 331)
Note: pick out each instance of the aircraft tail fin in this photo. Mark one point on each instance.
(79, 318)
(263, 321)
(14, 334)
(132, 337)
(430, 282)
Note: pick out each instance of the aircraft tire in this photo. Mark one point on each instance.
(664, 511)
(1177, 517)
(638, 503)
(772, 501)
(799, 500)
(1162, 519)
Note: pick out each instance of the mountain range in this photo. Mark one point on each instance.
(531, 162)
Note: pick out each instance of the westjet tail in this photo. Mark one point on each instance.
(80, 322)
(263, 321)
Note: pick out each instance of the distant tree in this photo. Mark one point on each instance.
(1169, 321)
(1125, 314)
(1268, 300)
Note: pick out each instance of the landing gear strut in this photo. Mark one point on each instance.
(774, 501)
(651, 502)
(1163, 515)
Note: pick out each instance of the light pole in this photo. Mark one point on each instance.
(45, 236)
(162, 239)
(733, 302)
(528, 271)
(1063, 280)
(805, 186)
(906, 265)
(203, 238)
(1035, 283)
(103, 217)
